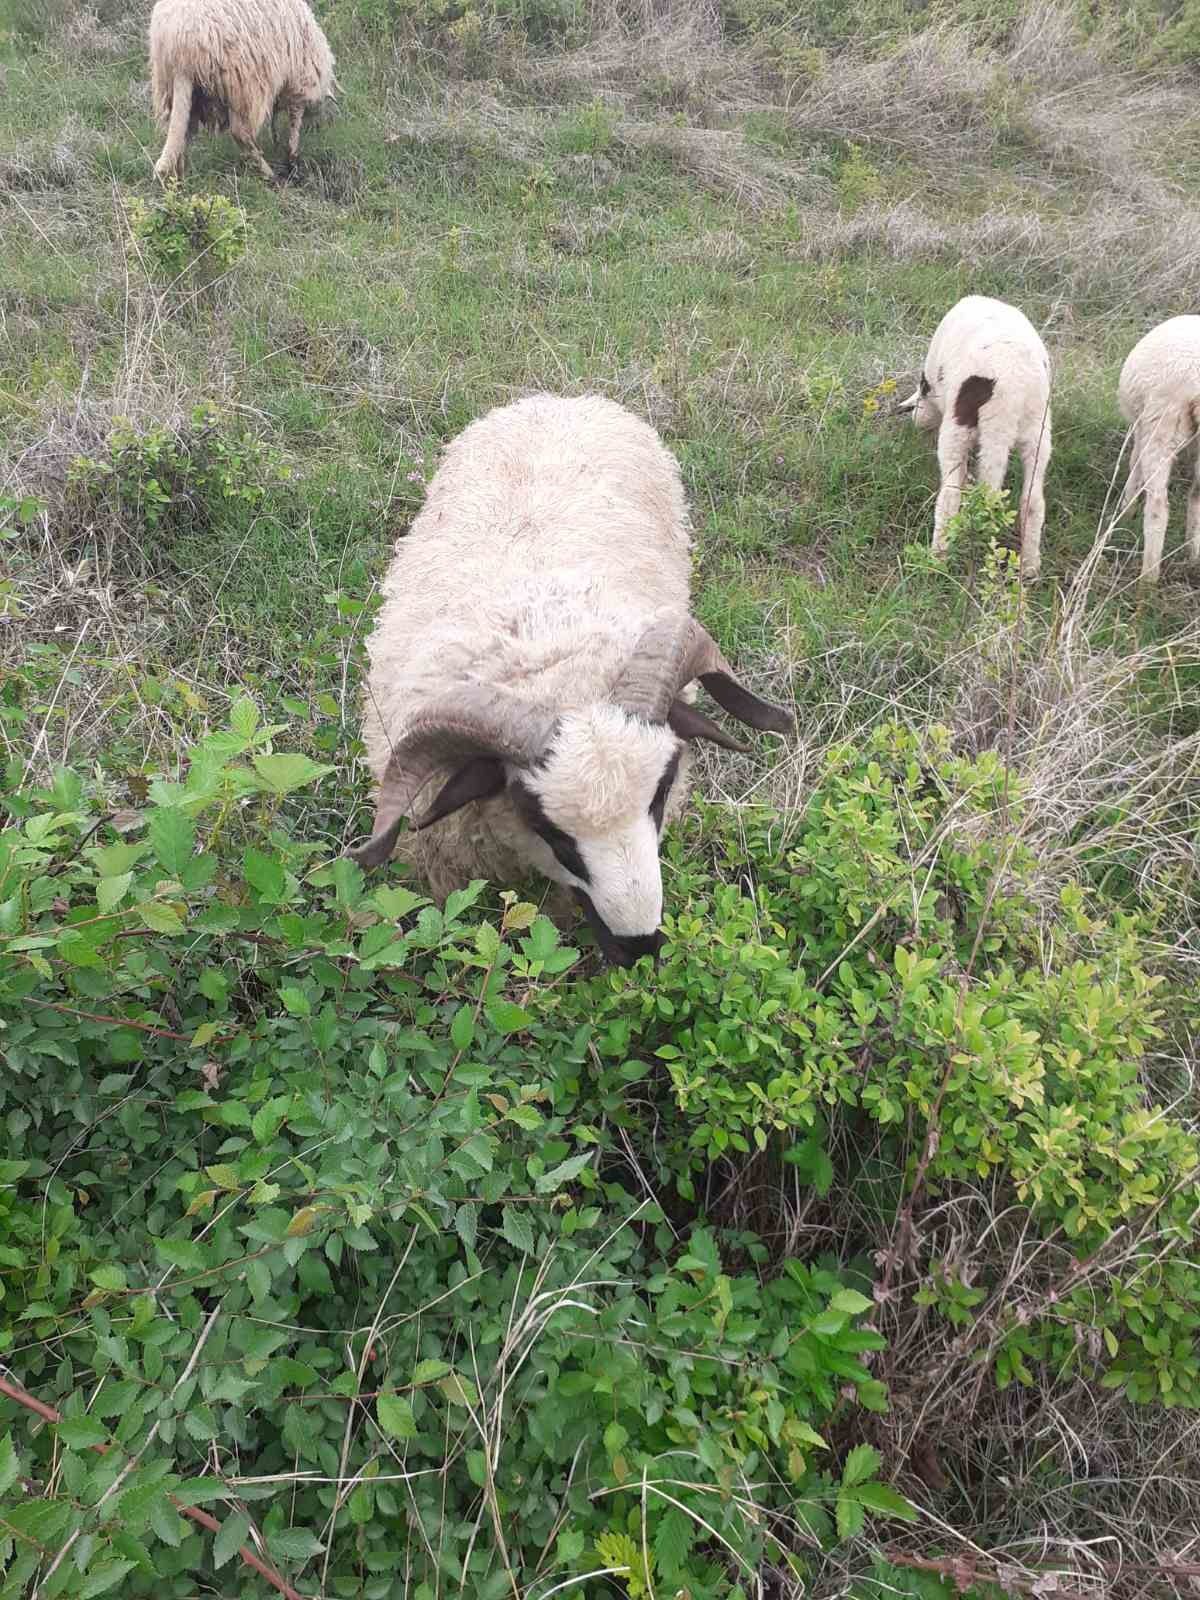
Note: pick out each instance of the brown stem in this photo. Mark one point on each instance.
(121, 1022)
(265, 1570)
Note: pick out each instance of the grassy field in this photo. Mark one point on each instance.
(744, 225)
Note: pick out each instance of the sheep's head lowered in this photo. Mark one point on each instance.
(589, 786)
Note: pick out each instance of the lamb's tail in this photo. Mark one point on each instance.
(170, 163)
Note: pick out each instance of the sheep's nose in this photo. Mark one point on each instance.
(626, 951)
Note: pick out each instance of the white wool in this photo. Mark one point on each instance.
(1159, 396)
(993, 343)
(554, 532)
(233, 63)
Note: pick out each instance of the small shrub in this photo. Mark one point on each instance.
(589, 131)
(203, 235)
(858, 180)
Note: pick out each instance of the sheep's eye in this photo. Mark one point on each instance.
(659, 803)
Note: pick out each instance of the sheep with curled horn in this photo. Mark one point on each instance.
(529, 700)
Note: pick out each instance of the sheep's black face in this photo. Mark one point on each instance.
(595, 808)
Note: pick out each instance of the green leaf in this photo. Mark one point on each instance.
(466, 1224)
(168, 1525)
(850, 1301)
(9, 1465)
(429, 1371)
(563, 1173)
(294, 1544)
(182, 1253)
(462, 1029)
(674, 1535)
(161, 916)
(264, 874)
(508, 1018)
(111, 891)
(396, 1416)
(459, 1391)
(243, 717)
(861, 1464)
(103, 1578)
(81, 1432)
(230, 1538)
(172, 835)
(110, 1277)
(283, 773)
(517, 1230)
(850, 1518)
(884, 1499)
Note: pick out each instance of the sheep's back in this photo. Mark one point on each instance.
(244, 52)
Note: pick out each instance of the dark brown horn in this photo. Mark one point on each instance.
(670, 654)
(465, 740)
(690, 723)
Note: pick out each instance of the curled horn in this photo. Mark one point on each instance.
(670, 654)
(469, 735)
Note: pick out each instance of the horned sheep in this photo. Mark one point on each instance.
(1159, 396)
(985, 387)
(232, 64)
(532, 667)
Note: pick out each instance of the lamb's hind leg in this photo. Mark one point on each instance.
(1035, 456)
(244, 135)
(295, 123)
(1193, 513)
(1154, 458)
(954, 453)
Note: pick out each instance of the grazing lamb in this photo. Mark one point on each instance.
(986, 387)
(1159, 396)
(531, 663)
(232, 64)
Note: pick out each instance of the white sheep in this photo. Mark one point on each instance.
(1159, 396)
(985, 387)
(232, 64)
(531, 662)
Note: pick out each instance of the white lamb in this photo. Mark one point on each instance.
(232, 64)
(1159, 396)
(530, 666)
(986, 388)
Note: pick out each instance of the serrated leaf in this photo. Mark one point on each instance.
(508, 1018)
(168, 1525)
(283, 773)
(466, 1224)
(9, 1465)
(161, 916)
(674, 1535)
(243, 717)
(111, 891)
(462, 1029)
(224, 1176)
(477, 1468)
(103, 1578)
(458, 1390)
(302, 1222)
(563, 1173)
(182, 1253)
(109, 1277)
(80, 1433)
(264, 874)
(517, 1229)
(230, 1538)
(525, 1116)
(884, 1499)
(429, 1371)
(519, 917)
(850, 1517)
(172, 835)
(861, 1464)
(396, 1416)
(295, 1544)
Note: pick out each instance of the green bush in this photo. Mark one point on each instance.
(890, 963)
(320, 1213)
(189, 238)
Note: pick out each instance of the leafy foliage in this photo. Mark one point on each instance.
(181, 233)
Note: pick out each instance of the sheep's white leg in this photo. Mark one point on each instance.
(1193, 513)
(1133, 483)
(954, 453)
(1035, 457)
(174, 155)
(1156, 473)
(244, 135)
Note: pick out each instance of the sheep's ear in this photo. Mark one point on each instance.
(689, 723)
(480, 779)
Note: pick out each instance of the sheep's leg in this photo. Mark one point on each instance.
(954, 452)
(244, 135)
(174, 155)
(1156, 473)
(1035, 454)
(295, 123)
(1193, 513)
